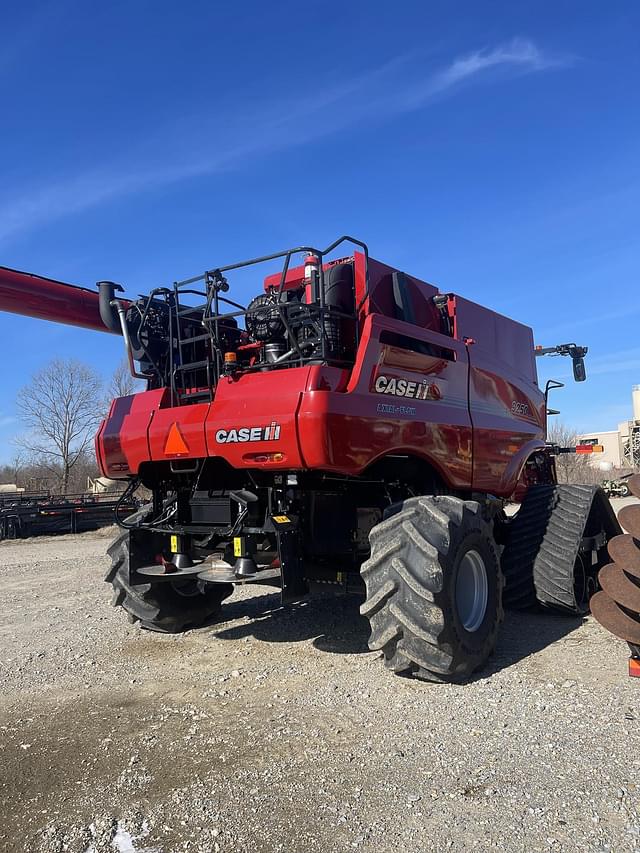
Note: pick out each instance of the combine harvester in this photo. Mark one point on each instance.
(351, 427)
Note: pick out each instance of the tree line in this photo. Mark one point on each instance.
(59, 411)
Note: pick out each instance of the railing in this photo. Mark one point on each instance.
(196, 334)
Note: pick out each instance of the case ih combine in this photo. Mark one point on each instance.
(351, 426)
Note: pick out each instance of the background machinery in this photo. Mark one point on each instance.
(25, 513)
(617, 488)
(352, 426)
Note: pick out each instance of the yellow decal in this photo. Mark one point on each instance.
(281, 519)
(174, 545)
(237, 546)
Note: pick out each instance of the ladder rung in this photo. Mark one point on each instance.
(184, 312)
(185, 341)
(192, 365)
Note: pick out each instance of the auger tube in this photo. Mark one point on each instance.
(47, 299)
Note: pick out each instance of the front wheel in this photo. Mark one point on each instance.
(434, 588)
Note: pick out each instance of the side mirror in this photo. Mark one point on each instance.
(579, 370)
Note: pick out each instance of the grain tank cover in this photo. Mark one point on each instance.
(497, 338)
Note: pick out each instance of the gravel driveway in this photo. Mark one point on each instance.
(277, 730)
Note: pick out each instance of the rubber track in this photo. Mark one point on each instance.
(539, 560)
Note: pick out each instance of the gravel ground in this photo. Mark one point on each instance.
(277, 730)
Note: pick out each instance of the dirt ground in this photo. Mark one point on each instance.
(277, 729)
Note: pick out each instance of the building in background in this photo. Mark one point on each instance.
(621, 446)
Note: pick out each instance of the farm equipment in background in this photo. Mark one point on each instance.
(353, 428)
(24, 514)
(617, 488)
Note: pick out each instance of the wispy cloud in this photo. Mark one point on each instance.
(7, 420)
(568, 328)
(395, 88)
(518, 53)
(517, 56)
(623, 361)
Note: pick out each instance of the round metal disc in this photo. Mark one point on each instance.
(624, 551)
(161, 572)
(629, 518)
(615, 620)
(217, 576)
(634, 485)
(619, 587)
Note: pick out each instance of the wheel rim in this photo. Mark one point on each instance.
(472, 591)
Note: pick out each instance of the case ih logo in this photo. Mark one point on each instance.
(244, 434)
(406, 388)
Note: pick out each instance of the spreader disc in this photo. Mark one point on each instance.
(217, 576)
(160, 572)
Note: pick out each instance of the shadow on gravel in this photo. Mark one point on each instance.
(523, 634)
(334, 621)
(336, 625)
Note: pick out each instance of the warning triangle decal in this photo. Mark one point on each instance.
(175, 444)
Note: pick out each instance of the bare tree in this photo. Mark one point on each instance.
(61, 408)
(571, 467)
(122, 382)
(11, 471)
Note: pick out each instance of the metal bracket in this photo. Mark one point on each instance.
(294, 585)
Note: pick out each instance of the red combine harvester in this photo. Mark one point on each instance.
(352, 427)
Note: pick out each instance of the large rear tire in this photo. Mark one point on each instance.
(434, 588)
(168, 607)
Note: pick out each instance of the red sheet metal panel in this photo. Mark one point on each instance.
(175, 428)
(506, 405)
(252, 421)
(396, 402)
(122, 443)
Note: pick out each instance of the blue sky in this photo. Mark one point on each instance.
(492, 149)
